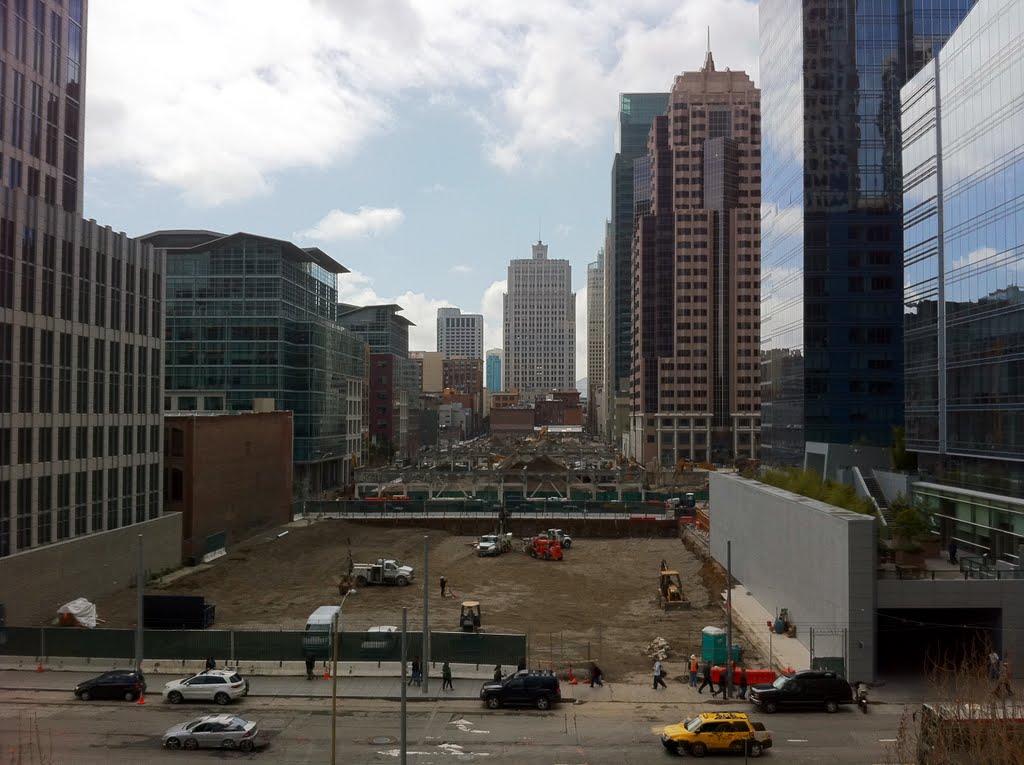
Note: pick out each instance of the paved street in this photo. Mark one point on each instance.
(438, 732)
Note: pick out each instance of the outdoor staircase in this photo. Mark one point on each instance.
(871, 484)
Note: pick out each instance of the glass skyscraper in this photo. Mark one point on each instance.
(251, 317)
(493, 370)
(636, 114)
(831, 230)
(963, 165)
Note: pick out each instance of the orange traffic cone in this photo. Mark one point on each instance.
(40, 667)
(572, 680)
(142, 699)
(327, 673)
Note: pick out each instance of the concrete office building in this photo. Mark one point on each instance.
(431, 365)
(460, 334)
(540, 323)
(595, 345)
(831, 223)
(696, 274)
(964, 330)
(493, 370)
(81, 342)
(251, 317)
(636, 114)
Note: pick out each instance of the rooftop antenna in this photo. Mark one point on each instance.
(538, 229)
(709, 39)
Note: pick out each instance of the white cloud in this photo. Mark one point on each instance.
(581, 334)
(366, 222)
(492, 308)
(257, 91)
(357, 288)
(459, 269)
(563, 229)
(434, 188)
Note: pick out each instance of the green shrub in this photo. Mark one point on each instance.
(809, 484)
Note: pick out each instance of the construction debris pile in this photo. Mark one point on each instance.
(658, 649)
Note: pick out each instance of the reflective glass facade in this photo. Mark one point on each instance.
(963, 161)
(253, 317)
(832, 274)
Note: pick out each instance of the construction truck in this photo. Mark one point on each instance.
(563, 538)
(494, 544)
(670, 589)
(383, 571)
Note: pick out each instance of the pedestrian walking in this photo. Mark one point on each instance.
(706, 679)
(693, 671)
(743, 683)
(210, 664)
(498, 674)
(659, 675)
(416, 675)
(1004, 688)
(596, 675)
(446, 676)
(444, 585)
(993, 665)
(952, 550)
(310, 663)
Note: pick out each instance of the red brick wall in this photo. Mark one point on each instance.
(236, 476)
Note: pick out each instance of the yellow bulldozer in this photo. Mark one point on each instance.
(670, 589)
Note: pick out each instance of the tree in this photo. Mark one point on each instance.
(902, 460)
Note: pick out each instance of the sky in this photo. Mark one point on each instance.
(420, 143)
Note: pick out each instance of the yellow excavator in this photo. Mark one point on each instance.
(670, 589)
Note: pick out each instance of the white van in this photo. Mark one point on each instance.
(319, 631)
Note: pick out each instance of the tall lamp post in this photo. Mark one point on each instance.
(334, 677)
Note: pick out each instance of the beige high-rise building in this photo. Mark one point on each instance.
(432, 363)
(695, 383)
(540, 324)
(595, 344)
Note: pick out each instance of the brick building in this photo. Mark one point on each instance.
(228, 474)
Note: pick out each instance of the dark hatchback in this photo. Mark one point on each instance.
(810, 689)
(526, 688)
(124, 684)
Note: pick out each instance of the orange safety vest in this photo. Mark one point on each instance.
(693, 665)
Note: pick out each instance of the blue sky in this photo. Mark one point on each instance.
(421, 143)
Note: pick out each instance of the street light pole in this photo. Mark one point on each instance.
(139, 586)
(728, 611)
(402, 746)
(336, 628)
(425, 665)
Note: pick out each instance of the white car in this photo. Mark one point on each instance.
(219, 685)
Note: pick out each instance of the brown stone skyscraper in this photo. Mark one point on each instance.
(696, 274)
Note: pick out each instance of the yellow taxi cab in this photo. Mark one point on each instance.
(717, 732)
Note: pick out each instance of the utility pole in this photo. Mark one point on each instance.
(402, 745)
(425, 662)
(139, 586)
(728, 613)
(336, 625)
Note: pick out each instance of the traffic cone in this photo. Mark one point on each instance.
(39, 668)
(572, 680)
(327, 673)
(142, 698)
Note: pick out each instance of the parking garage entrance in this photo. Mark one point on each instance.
(910, 641)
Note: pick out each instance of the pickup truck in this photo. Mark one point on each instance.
(717, 732)
(563, 539)
(383, 571)
(494, 544)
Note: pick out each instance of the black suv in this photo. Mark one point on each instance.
(810, 689)
(526, 688)
(124, 684)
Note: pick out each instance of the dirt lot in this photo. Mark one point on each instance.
(601, 598)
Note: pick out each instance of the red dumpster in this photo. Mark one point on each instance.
(754, 676)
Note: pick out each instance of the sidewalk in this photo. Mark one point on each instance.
(751, 617)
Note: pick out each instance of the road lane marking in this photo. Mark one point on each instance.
(887, 740)
(797, 740)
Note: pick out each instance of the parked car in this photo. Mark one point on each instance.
(526, 688)
(717, 732)
(219, 685)
(810, 689)
(124, 684)
(216, 732)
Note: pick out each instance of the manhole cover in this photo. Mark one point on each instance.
(381, 740)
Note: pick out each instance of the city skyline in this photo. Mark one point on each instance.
(496, 172)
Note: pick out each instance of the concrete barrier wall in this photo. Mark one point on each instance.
(815, 560)
(34, 584)
(579, 527)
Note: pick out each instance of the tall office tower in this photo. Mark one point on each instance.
(963, 264)
(636, 113)
(696, 265)
(595, 344)
(831, 216)
(234, 338)
(493, 371)
(540, 323)
(81, 328)
(460, 334)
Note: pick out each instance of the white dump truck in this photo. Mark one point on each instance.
(494, 544)
(383, 571)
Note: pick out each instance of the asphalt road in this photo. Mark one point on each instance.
(44, 727)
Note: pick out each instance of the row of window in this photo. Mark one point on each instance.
(23, 446)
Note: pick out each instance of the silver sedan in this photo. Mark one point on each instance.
(215, 732)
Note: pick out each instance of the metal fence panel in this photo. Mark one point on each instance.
(477, 648)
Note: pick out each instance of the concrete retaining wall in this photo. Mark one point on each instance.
(815, 560)
(34, 584)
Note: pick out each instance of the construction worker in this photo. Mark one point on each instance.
(694, 671)
(444, 585)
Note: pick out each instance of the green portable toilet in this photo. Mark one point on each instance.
(712, 645)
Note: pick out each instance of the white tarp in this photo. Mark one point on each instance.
(82, 610)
